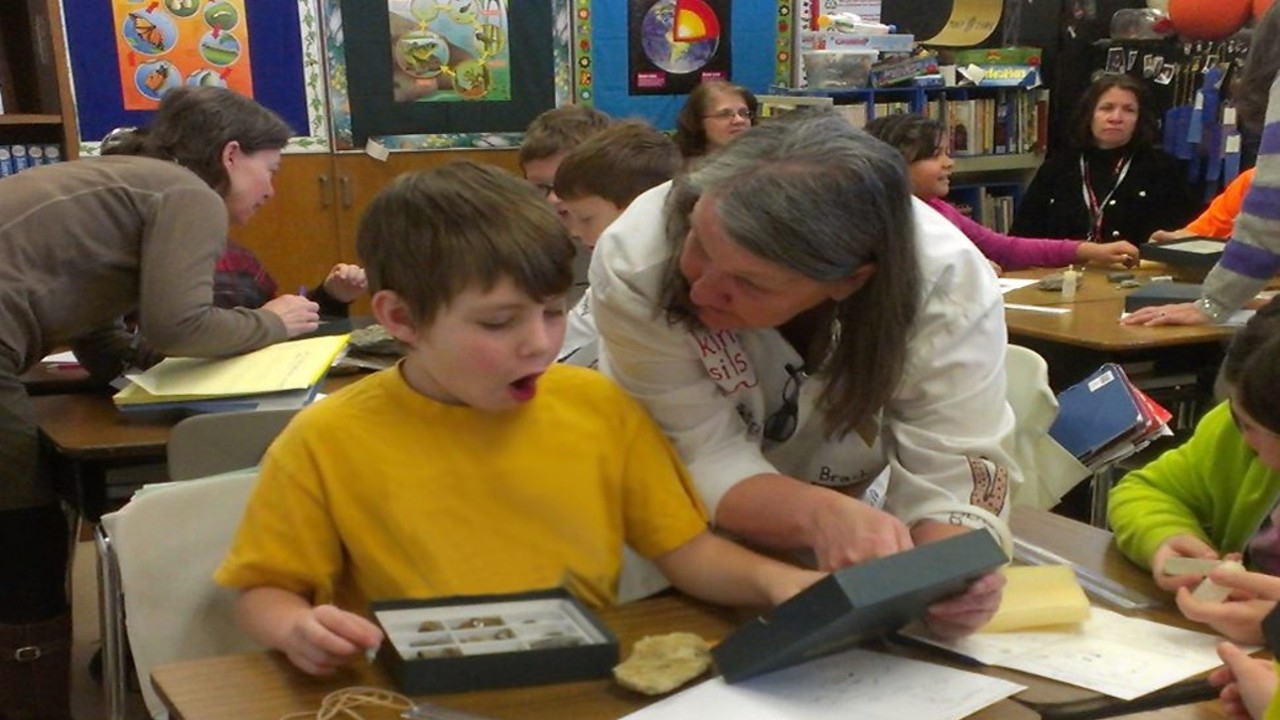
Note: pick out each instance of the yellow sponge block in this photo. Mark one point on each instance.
(1039, 595)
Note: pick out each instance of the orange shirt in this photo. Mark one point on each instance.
(1220, 218)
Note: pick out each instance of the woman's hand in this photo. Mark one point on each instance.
(299, 314)
(845, 531)
(1184, 545)
(1119, 252)
(1247, 683)
(963, 614)
(346, 282)
(1164, 236)
(326, 637)
(1180, 314)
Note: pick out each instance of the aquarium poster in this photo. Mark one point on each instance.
(162, 44)
(676, 44)
(449, 51)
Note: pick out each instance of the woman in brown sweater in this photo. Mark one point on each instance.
(82, 245)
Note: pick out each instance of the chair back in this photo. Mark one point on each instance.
(1048, 470)
(204, 445)
(157, 556)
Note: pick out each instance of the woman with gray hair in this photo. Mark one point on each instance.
(825, 352)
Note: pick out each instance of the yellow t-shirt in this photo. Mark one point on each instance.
(379, 492)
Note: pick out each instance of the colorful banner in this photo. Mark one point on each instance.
(450, 51)
(164, 44)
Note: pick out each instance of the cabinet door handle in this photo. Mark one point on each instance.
(324, 192)
(345, 183)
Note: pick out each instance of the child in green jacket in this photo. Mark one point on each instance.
(1216, 495)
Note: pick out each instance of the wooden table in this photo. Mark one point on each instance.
(265, 686)
(87, 435)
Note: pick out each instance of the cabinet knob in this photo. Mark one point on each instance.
(344, 183)
(324, 192)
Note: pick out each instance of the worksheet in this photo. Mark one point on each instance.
(852, 684)
(1109, 653)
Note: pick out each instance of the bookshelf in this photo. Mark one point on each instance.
(35, 87)
(1002, 143)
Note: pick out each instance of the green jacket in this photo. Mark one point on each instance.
(1211, 486)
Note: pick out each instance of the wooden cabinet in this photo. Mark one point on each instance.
(35, 86)
(311, 223)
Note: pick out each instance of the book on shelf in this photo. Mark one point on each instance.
(283, 375)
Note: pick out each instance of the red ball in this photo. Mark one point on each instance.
(1260, 8)
(1208, 19)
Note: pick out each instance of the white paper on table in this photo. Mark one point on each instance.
(1007, 284)
(62, 358)
(855, 683)
(1109, 653)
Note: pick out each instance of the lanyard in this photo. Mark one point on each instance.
(1096, 208)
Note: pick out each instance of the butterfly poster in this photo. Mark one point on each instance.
(163, 44)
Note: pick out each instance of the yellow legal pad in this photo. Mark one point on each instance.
(1038, 595)
(287, 366)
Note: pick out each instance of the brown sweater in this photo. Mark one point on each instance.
(84, 243)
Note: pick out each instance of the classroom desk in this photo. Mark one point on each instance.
(87, 435)
(265, 686)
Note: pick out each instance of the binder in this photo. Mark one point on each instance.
(284, 375)
(1096, 412)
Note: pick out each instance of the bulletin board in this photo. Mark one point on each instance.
(124, 53)
(606, 77)
(422, 74)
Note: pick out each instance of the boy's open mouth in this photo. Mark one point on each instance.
(525, 388)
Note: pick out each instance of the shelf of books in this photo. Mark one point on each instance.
(980, 121)
(37, 121)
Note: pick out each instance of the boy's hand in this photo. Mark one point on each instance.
(326, 637)
(1239, 618)
(964, 613)
(1184, 545)
(1247, 683)
(346, 282)
(299, 314)
(1164, 236)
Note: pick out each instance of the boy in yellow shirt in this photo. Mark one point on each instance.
(477, 465)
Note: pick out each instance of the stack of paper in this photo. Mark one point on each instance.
(285, 375)
(1105, 418)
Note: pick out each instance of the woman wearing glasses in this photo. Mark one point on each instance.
(825, 352)
(715, 113)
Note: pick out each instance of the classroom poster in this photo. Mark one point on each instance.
(450, 51)
(676, 44)
(164, 44)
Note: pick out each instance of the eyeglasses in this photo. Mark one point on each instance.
(781, 424)
(545, 189)
(730, 113)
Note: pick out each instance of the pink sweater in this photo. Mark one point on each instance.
(1009, 252)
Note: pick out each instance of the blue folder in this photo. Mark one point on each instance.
(1096, 412)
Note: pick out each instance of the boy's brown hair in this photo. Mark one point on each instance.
(559, 130)
(618, 163)
(433, 234)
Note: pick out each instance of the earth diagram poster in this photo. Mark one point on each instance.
(676, 44)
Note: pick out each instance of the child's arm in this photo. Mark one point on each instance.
(1112, 253)
(714, 569)
(316, 639)
(1248, 684)
(1239, 617)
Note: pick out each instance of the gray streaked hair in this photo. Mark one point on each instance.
(813, 194)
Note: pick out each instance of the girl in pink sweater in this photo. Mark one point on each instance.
(922, 142)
